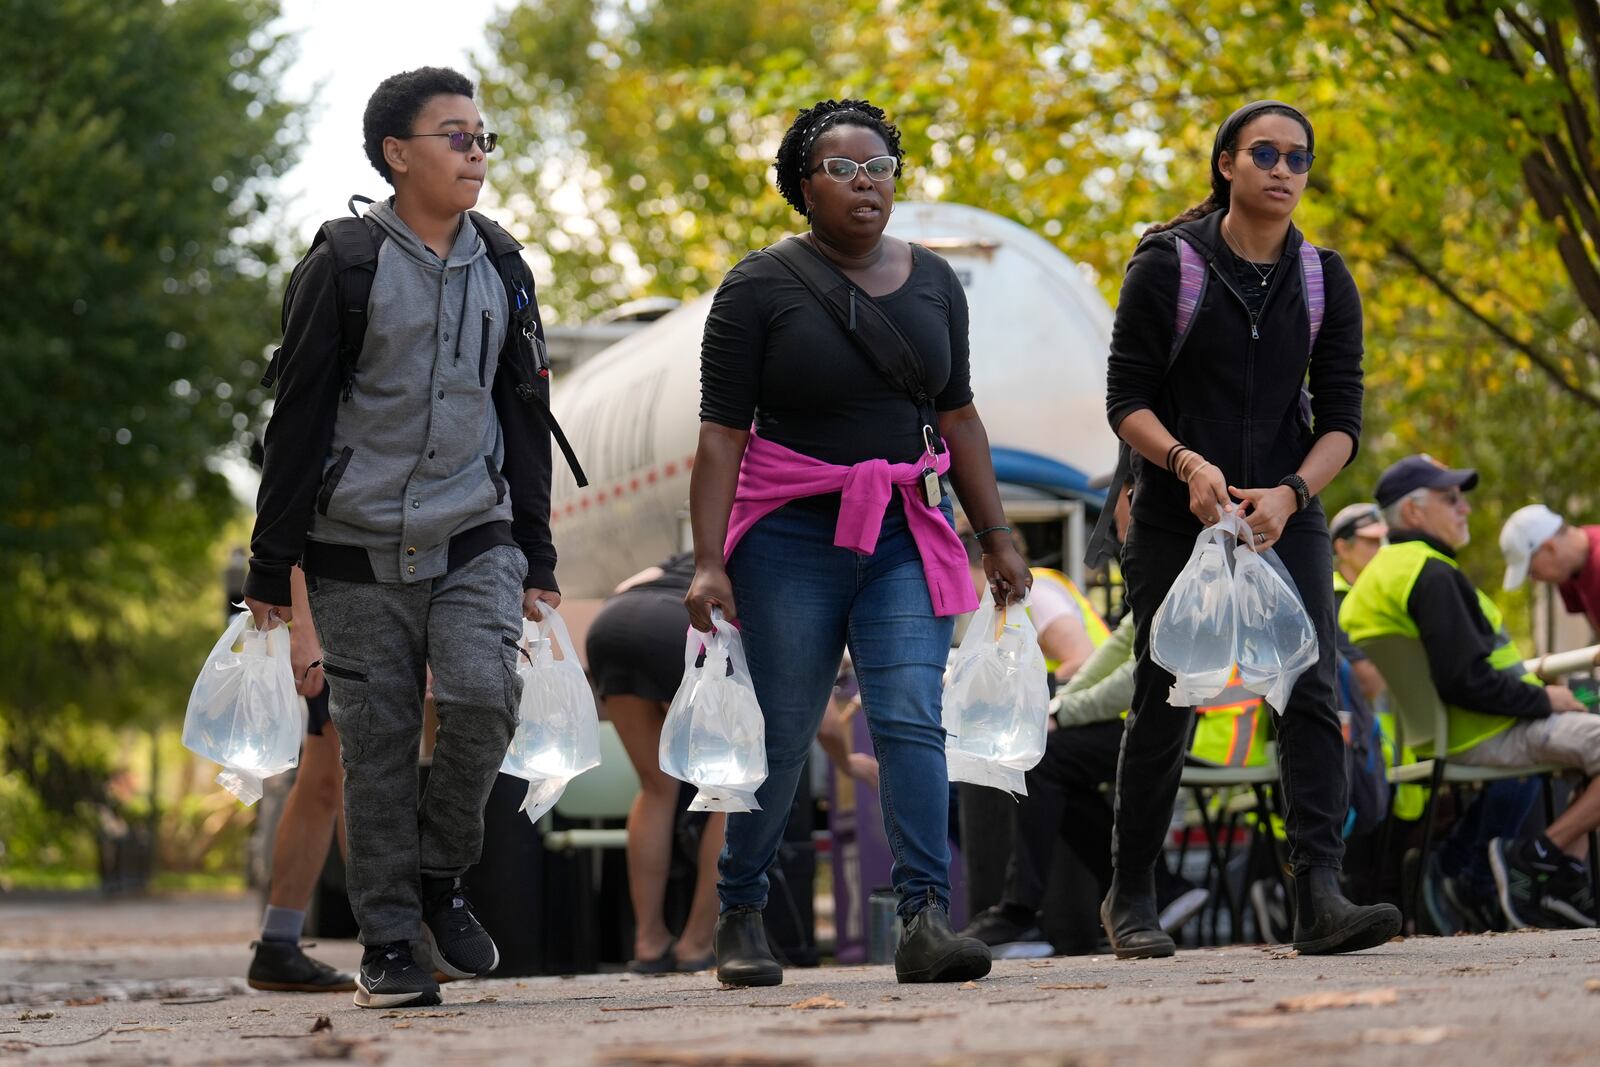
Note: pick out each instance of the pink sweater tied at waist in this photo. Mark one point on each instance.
(771, 476)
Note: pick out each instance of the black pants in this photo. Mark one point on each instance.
(1064, 800)
(1310, 743)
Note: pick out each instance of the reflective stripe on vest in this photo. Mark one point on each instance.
(1231, 731)
(1376, 607)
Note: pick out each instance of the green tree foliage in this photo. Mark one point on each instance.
(1457, 169)
(143, 140)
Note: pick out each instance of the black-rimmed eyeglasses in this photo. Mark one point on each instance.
(460, 140)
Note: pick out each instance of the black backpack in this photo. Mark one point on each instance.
(353, 243)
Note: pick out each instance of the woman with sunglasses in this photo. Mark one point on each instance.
(1205, 382)
(820, 518)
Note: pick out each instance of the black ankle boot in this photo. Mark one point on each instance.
(931, 950)
(1325, 922)
(743, 957)
(1131, 919)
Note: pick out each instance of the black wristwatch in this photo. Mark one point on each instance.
(1302, 491)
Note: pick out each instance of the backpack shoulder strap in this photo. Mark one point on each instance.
(1191, 290)
(1314, 289)
(506, 252)
(353, 244)
(353, 248)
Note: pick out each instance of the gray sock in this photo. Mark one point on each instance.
(282, 924)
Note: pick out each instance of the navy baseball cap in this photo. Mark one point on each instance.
(1421, 471)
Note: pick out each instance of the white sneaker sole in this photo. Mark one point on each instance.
(421, 998)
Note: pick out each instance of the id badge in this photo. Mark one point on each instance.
(932, 491)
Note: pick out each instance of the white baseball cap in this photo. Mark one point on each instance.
(1523, 534)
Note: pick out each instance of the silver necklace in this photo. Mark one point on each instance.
(1264, 275)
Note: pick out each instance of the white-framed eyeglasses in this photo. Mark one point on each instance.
(840, 169)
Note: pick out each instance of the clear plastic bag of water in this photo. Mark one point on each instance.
(714, 736)
(558, 726)
(996, 699)
(1194, 634)
(244, 712)
(1276, 641)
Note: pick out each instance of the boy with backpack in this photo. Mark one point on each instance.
(407, 470)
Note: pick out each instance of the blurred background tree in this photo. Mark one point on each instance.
(1457, 170)
(144, 141)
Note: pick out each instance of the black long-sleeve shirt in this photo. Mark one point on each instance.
(1232, 398)
(774, 356)
(1458, 640)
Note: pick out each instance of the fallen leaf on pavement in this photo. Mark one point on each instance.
(1071, 985)
(1361, 998)
(1210, 981)
(322, 1023)
(968, 985)
(817, 1003)
(1415, 1035)
(1040, 964)
(1592, 985)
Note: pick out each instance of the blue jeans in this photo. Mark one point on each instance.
(801, 600)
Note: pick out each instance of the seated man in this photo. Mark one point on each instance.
(1498, 715)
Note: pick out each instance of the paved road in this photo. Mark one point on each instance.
(156, 983)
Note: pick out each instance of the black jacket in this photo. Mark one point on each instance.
(1458, 641)
(1230, 397)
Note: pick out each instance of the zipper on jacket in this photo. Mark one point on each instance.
(340, 672)
(1250, 357)
(483, 345)
(852, 308)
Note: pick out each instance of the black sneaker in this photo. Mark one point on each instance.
(1179, 900)
(1271, 910)
(1569, 896)
(1439, 902)
(461, 947)
(1480, 911)
(1523, 888)
(283, 967)
(390, 978)
(1001, 925)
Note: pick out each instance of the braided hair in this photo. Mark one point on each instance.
(794, 152)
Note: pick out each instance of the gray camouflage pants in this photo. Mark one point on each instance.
(377, 641)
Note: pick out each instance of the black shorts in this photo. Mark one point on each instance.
(635, 645)
(317, 711)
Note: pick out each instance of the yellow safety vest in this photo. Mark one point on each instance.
(1093, 624)
(1376, 607)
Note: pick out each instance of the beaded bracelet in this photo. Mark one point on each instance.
(992, 529)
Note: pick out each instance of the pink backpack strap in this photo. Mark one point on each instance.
(1191, 288)
(1316, 293)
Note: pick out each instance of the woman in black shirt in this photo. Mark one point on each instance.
(1219, 425)
(818, 510)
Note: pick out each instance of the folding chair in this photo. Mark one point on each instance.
(1422, 723)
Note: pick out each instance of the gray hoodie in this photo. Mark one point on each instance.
(417, 450)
